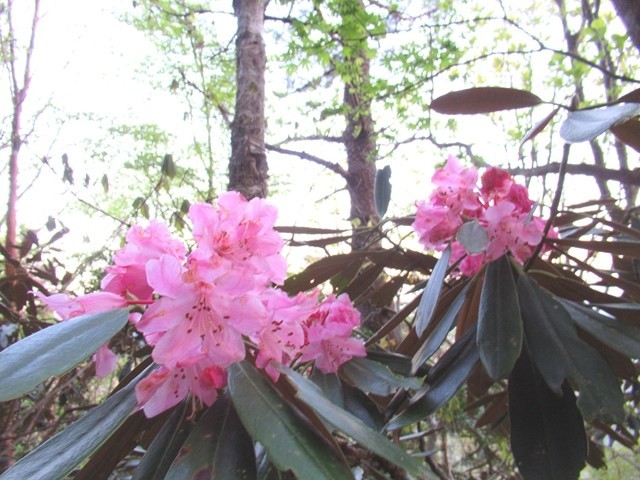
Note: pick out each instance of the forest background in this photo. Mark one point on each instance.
(349, 89)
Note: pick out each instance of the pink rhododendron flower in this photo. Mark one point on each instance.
(283, 336)
(329, 335)
(498, 205)
(128, 276)
(165, 388)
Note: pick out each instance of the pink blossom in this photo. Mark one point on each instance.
(470, 264)
(329, 334)
(242, 232)
(435, 225)
(195, 319)
(455, 187)
(165, 388)
(127, 275)
(519, 196)
(283, 336)
(496, 183)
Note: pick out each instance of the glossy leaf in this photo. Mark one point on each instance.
(59, 455)
(373, 377)
(55, 350)
(559, 353)
(622, 337)
(431, 293)
(499, 321)
(288, 440)
(165, 446)
(450, 373)
(320, 272)
(218, 447)
(548, 439)
(484, 100)
(585, 125)
(473, 237)
(438, 335)
(353, 427)
(382, 190)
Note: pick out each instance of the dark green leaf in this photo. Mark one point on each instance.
(330, 385)
(168, 166)
(373, 377)
(218, 447)
(352, 426)
(55, 350)
(59, 455)
(484, 100)
(620, 336)
(449, 374)
(382, 190)
(437, 336)
(320, 271)
(288, 440)
(165, 446)
(499, 322)
(558, 353)
(548, 439)
(431, 293)
(473, 237)
(585, 125)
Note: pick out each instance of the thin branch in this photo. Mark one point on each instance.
(334, 167)
(629, 177)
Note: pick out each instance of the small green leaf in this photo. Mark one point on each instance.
(168, 166)
(352, 426)
(218, 447)
(473, 237)
(431, 293)
(288, 439)
(499, 322)
(449, 374)
(55, 350)
(373, 377)
(382, 190)
(59, 455)
(548, 439)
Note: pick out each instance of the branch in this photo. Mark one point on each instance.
(628, 177)
(334, 167)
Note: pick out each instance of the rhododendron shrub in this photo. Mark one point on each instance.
(204, 311)
(497, 204)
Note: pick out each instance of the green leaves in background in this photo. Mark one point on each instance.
(431, 293)
(547, 432)
(499, 322)
(288, 439)
(59, 455)
(55, 350)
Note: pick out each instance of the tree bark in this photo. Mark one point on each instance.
(629, 12)
(248, 164)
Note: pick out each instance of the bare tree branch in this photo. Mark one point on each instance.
(334, 167)
(630, 177)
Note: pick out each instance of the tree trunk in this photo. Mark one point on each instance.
(629, 12)
(359, 134)
(248, 164)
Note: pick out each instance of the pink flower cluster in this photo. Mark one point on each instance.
(206, 308)
(499, 205)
